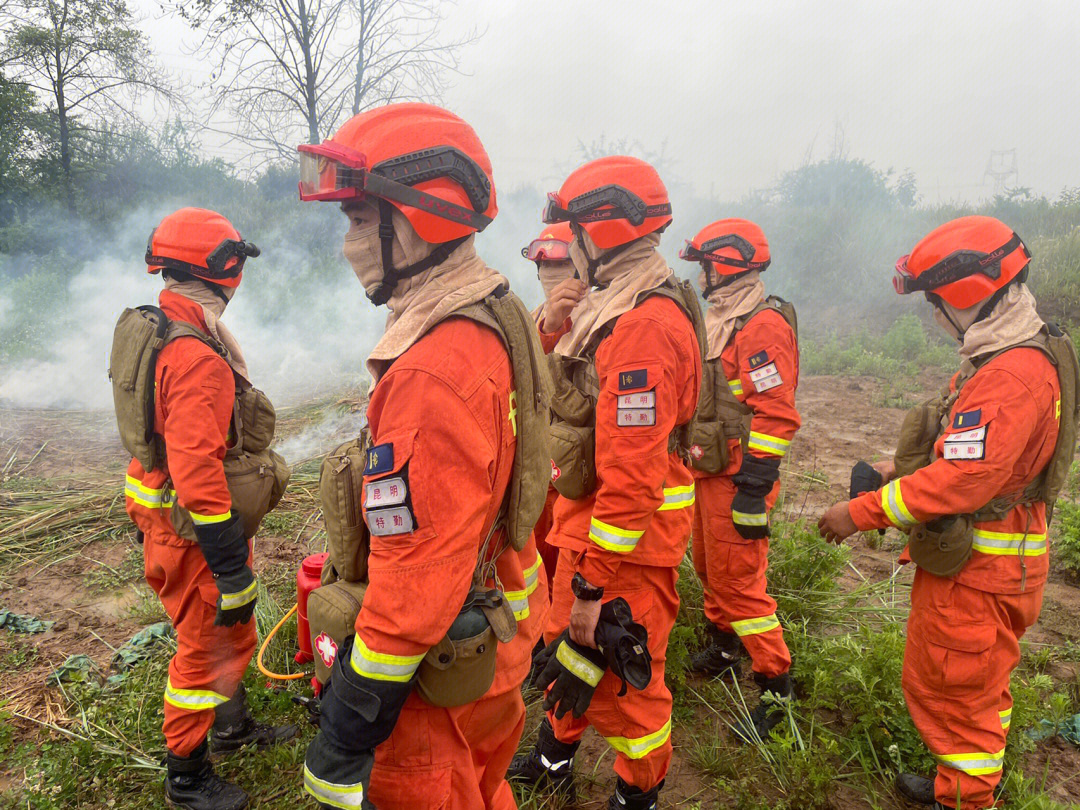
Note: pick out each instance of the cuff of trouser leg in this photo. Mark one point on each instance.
(336, 777)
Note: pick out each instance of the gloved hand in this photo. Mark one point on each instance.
(341, 782)
(575, 670)
(236, 597)
(755, 480)
(625, 644)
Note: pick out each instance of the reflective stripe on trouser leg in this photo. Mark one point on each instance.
(638, 747)
(751, 627)
(193, 700)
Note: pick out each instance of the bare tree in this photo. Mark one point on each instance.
(83, 55)
(288, 71)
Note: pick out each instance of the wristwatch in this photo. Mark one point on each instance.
(584, 591)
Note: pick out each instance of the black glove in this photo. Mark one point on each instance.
(575, 670)
(356, 714)
(625, 644)
(236, 598)
(864, 478)
(755, 480)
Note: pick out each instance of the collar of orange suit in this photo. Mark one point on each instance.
(1012, 321)
(422, 301)
(628, 275)
(726, 305)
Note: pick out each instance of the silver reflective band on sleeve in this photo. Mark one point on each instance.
(750, 518)
(145, 496)
(736, 387)
(231, 601)
(519, 600)
(677, 498)
(978, 763)
(580, 666)
(764, 443)
(638, 747)
(193, 700)
(382, 666)
(1009, 543)
(204, 520)
(892, 503)
(612, 538)
(343, 796)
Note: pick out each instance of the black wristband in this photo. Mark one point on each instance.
(584, 591)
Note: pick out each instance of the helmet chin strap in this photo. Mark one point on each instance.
(721, 281)
(595, 264)
(984, 310)
(382, 292)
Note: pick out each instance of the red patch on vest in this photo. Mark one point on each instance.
(326, 647)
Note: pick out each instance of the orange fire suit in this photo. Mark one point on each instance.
(193, 412)
(630, 535)
(964, 631)
(443, 425)
(732, 569)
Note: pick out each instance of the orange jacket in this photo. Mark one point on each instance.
(761, 364)
(1002, 432)
(650, 372)
(193, 411)
(443, 431)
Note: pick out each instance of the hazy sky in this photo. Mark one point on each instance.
(742, 91)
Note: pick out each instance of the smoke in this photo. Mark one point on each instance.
(315, 440)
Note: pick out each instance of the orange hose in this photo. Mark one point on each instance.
(259, 661)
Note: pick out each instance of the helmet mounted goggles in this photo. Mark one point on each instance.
(707, 252)
(329, 171)
(547, 250)
(958, 265)
(601, 204)
(216, 264)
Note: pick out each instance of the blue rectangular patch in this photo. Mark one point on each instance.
(968, 419)
(759, 359)
(629, 380)
(380, 459)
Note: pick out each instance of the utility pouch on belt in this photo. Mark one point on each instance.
(461, 667)
(341, 483)
(572, 435)
(942, 546)
(332, 612)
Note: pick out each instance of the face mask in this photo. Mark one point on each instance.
(363, 251)
(553, 273)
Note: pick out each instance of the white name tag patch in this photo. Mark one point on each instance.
(386, 492)
(396, 520)
(636, 417)
(765, 378)
(644, 399)
(970, 445)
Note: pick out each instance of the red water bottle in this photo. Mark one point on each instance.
(308, 578)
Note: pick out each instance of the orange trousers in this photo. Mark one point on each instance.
(638, 724)
(210, 661)
(732, 572)
(450, 759)
(962, 646)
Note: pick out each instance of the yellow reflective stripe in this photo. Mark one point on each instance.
(513, 411)
(677, 498)
(203, 520)
(765, 443)
(230, 601)
(978, 763)
(751, 627)
(343, 796)
(143, 495)
(892, 503)
(750, 518)
(736, 387)
(135, 483)
(519, 600)
(636, 748)
(382, 666)
(1006, 718)
(194, 700)
(1009, 543)
(578, 664)
(612, 538)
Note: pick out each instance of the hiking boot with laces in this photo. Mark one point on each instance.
(768, 714)
(234, 728)
(190, 782)
(719, 656)
(550, 764)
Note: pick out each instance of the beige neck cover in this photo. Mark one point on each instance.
(213, 308)
(726, 305)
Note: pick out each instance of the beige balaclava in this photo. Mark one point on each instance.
(213, 306)
(551, 275)
(727, 304)
(1013, 320)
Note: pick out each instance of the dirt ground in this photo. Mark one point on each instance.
(843, 421)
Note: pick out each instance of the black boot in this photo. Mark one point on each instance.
(720, 655)
(234, 728)
(628, 797)
(767, 715)
(915, 788)
(192, 783)
(550, 764)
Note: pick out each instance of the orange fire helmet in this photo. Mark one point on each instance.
(553, 244)
(200, 243)
(418, 158)
(615, 200)
(727, 247)
(963, 261)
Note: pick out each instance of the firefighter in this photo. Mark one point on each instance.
(415, 184)
(755, 371)
(626, 534)
(204, 580)
(970, 481)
